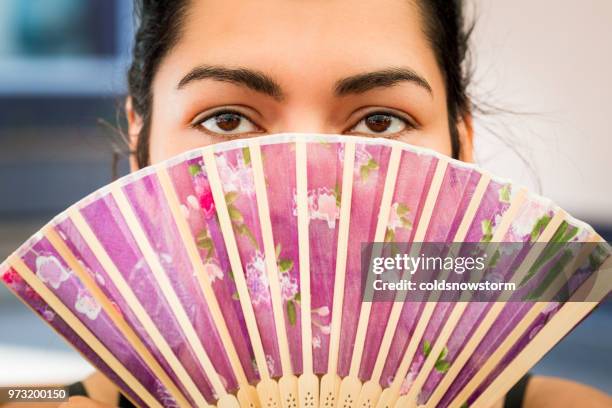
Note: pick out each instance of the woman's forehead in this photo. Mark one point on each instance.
(306, 18)
(320, 40)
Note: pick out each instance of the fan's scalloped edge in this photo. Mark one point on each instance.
(279, 138)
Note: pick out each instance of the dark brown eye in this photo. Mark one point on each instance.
(378, 123)
(228, 121)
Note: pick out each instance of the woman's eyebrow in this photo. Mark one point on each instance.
(255, 80)
(363, 82)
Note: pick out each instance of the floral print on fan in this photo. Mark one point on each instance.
(204, 204)
(21, 289)
(323, 204)
(441, 365)
(398, 218)
(87, 305)
(269, 362)
(12, 278)
(213, 271)
(505, 193)
(530, 223)
(564, 234)
(50, 271)
(321, 315)
(16, 283)
(257, 279)
(487, 225)
(259, 284)
(412, 374)
(238, 186)
(321, 325)
(240, 183)
(202, 189)
(364, 162)
(289, 286)
(205, 242)
(239, 176)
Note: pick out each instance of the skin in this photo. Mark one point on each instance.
(314, 56)
(293, 37)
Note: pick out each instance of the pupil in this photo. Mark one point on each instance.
(227, 121)
(378, 123)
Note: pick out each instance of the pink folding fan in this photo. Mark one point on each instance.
(233, 275)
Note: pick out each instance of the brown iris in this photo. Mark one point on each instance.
(228, 121)
(378, 122)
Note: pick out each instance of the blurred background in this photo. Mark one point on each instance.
(546, 64)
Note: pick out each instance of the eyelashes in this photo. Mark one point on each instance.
(382, 123)
(226, 122)
(233, 123)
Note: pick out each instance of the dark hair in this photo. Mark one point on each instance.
(159, 28)
(449, 36)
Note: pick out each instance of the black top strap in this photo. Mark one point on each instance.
(78, 388)
(516, 395)
(124, 402)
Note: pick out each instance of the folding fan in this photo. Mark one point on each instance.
(233, 275)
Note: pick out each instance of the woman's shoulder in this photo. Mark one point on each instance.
(545, 392)
(97, 388)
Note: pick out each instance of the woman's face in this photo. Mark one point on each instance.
(243, 68)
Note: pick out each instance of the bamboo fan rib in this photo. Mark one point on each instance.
(267, 388)
(288, 381)
(351, 385)
(308, 382)
(571, 313)
(371, 390)
(76, 325)
(459, 308)
(330, 382)
(138, 309)
(493, 313)
(247, 394)
(60, 246)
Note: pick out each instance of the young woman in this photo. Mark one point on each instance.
(207, 71)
